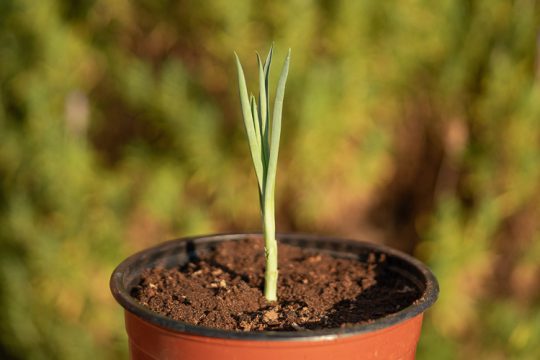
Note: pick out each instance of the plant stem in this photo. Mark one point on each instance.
(270, 251)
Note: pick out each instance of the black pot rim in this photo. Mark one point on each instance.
(123, 297)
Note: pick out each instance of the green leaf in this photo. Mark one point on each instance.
(256, 125)
(263, 111)
(276, 134)
(255, 117)
(248, 124)
(266, 128)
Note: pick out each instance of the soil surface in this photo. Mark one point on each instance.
(315, 290)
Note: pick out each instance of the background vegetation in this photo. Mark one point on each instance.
(417, 124)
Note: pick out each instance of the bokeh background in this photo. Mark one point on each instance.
(412, 123)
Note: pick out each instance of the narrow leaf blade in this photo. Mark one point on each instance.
(263, 111)
(276, 134)
(248, 123)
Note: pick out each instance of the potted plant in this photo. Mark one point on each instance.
(207, 297)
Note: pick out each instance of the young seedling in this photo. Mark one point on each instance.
(264, 147)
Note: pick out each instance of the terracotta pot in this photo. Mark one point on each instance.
(152, 336)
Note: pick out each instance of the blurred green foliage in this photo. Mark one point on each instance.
(418, 125)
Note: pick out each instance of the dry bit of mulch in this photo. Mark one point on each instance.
(315, 290)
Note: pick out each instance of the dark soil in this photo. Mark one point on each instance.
(316, 291)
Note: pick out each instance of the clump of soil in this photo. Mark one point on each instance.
(315, 291)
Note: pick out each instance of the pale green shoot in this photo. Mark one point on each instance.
(264, 147)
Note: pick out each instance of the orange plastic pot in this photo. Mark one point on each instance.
(152, 336)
